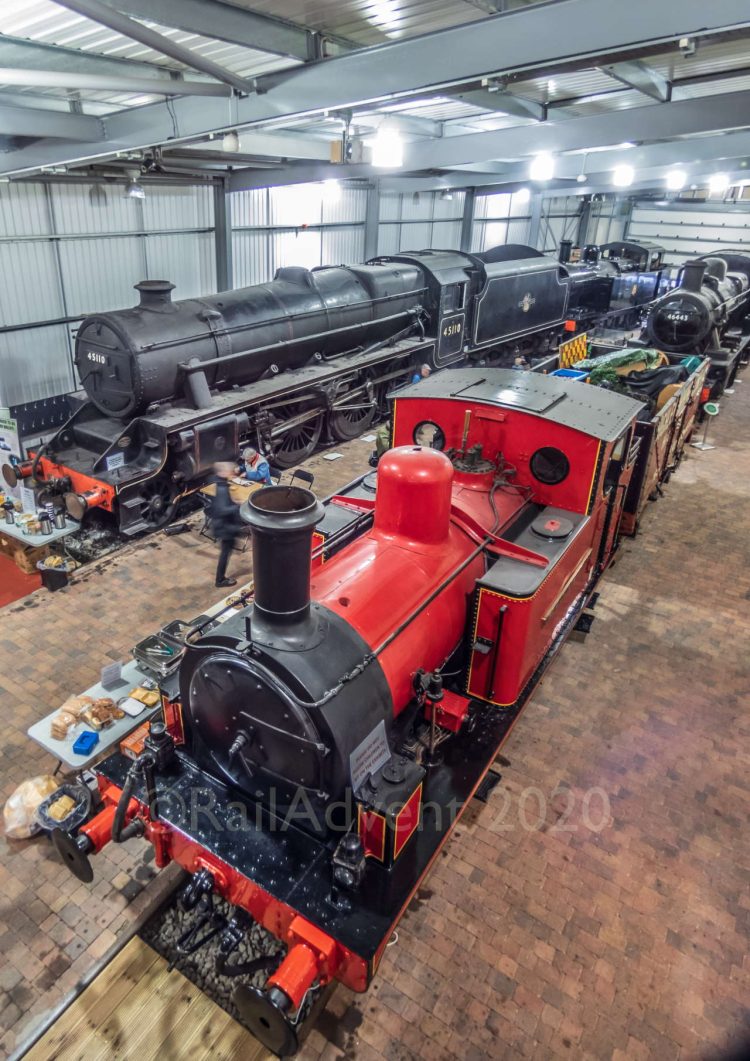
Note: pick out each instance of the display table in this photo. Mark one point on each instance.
(239, 489)
(133, 674)
(109, 738)
(27, 549)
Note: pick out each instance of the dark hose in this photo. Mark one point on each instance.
(120, 831)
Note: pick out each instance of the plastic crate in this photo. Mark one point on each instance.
(569, 373)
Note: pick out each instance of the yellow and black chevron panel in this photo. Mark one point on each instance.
(572, 351)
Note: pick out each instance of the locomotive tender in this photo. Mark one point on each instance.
(361, 697)
(171, 387)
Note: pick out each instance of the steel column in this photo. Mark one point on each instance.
(467, 221)
(372, 220)
(535, 220)
(222, 238)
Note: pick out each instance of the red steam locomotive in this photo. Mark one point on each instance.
(325, 739)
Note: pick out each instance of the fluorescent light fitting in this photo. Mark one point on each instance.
(676, 179)
(622, 176)
(331, 191)
(387, 148)
(231, 142)
(718, 183)
(542, 167)
(135, 190)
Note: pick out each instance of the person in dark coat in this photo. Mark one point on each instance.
(225, 521)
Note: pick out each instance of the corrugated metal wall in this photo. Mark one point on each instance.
(499, 219)
(304, 224)
(71, 250)
(417, 220)
(685, 230)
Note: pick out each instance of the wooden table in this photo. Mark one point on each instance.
(239, 489)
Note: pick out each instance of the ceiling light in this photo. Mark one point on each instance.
(522, 195)
(622, 176)
(718, 183)
(134, 190)
(676, 179)
(542, 167)
(387, 148)
(446, 195)
(581, 178)
(331, 191)
(231, 142)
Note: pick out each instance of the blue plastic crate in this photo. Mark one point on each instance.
(569, 373)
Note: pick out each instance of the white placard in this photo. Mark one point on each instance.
(112, 675)
(372, 753)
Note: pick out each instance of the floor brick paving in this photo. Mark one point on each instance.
(53, 929)
(596, 907)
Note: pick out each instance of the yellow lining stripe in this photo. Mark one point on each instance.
(594, 476)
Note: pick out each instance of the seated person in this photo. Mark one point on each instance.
(382, 443)
(423, 373)
(256, 469)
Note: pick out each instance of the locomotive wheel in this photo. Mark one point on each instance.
(300, 441)
(349, 421)
(156, 502)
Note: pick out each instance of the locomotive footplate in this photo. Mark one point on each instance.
(295, 868)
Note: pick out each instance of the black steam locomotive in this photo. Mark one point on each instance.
(172, 387)
(706, 314)
(635, 271)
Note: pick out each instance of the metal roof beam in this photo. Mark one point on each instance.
(37, 55)
(642, 78)
(128, 27)
(300, 173)
(498, 99)
(37, 122)
(75, 82)
(658, 121)
(520, 40)
(724, 152)
(226, 22)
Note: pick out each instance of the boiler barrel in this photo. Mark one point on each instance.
(131, 358)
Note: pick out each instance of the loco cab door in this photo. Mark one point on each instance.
(617, 478)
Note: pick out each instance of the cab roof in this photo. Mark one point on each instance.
(603, 414)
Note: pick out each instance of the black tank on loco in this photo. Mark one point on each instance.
(129, 359)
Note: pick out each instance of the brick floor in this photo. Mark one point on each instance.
(597, 907)
(53, 929)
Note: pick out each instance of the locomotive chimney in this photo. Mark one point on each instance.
(154, 293)
(692, 275)
(282, 520)
(566, 245)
